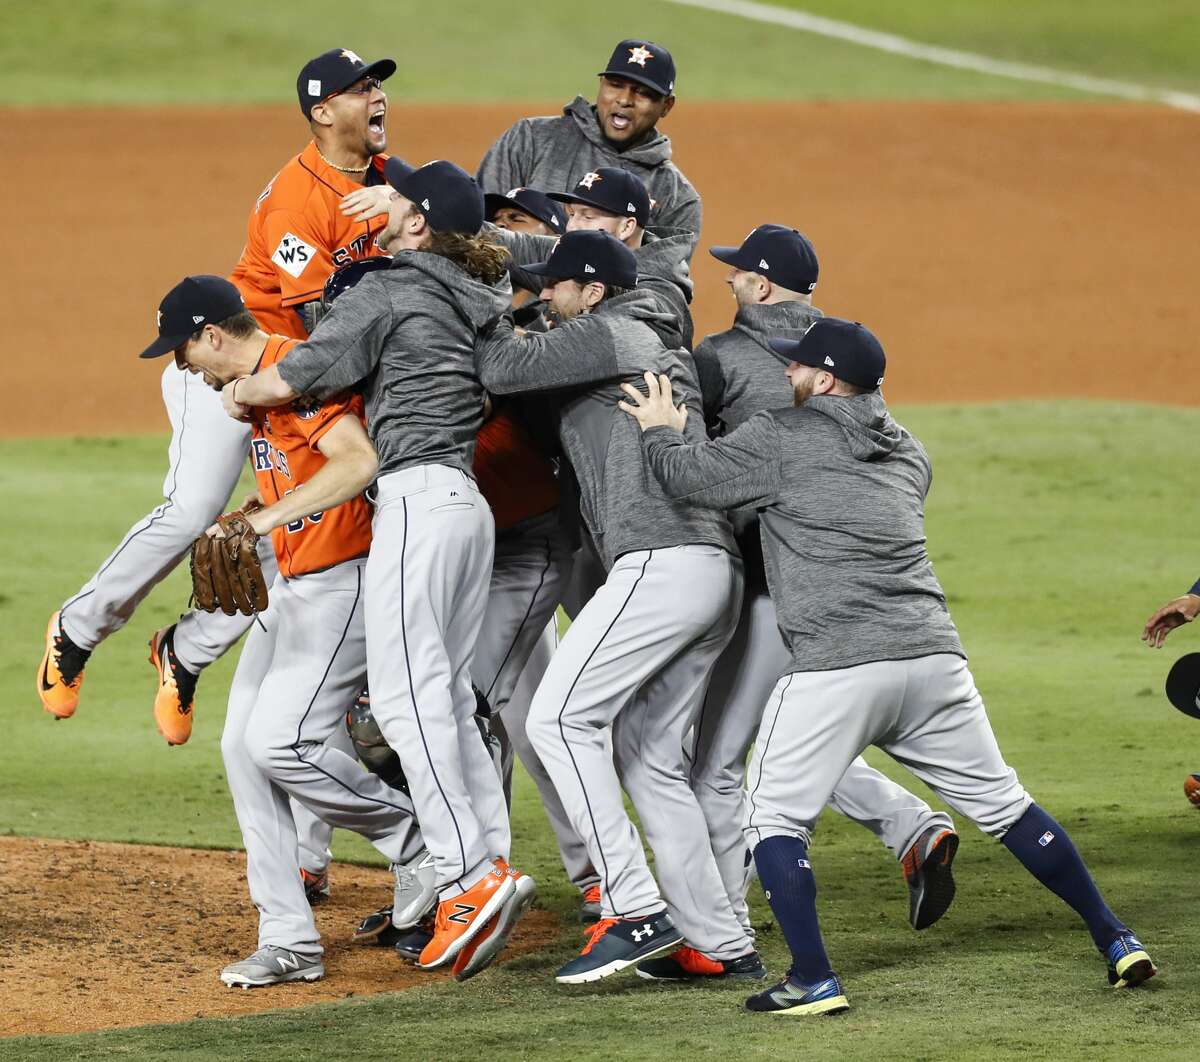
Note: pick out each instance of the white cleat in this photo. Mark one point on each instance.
(272, 965)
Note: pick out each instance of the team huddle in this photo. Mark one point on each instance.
(470, 401)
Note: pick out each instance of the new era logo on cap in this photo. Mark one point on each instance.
(829, 361)
(588, 268)
(197, 318)
(425, 204)
(763, 264)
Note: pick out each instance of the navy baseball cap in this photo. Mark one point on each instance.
(188, 307)
(445, 193)
(342, 280)
(529, 201)
(646, 63)
(847, 349)
(783, 255)
(335, 70)
(611, 189)
(589, 255)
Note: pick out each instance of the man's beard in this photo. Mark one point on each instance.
(801, 393)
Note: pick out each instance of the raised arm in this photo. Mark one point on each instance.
(579, 352)
(743, 468)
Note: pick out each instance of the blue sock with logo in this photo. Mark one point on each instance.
(787, 879)
(1047, 852)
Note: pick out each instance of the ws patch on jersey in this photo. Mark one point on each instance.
(293, 254)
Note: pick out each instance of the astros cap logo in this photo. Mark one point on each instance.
(639, 55)
(588, 179)
(347, 54)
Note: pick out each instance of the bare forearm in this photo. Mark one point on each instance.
(263, 389)
(336, 481)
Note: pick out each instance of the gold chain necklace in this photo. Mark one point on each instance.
(342, 169)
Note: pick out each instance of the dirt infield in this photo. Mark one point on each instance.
(999, 250)
(101, 936)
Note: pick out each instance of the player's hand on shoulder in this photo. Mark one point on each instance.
(1173, 614)
(656, 408)
(365, 203)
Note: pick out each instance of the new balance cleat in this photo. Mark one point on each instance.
(482, 951)
(60, 674)
(415, 892)
(688, 964)
(1128, 963)
(589, 909)
(789, 997)
(462, 918)
(173, 700)
(928, 870)
(316, 886)
(615, 944)
(272, 965)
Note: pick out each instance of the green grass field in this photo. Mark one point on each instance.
(1055, 529)
(165, 51)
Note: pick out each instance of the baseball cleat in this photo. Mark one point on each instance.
(377, 928)
(589, 910)
(271, 965)
(688, 964)
(1191, 789)
(461, 919)
(482, 951)
(1128, 963)
(615, 944)
(316, 886)
(415, 892)
(789, 997)
(60, 674)
(928, 870)
(176, 689)
(409, 943)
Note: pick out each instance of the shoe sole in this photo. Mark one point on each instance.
(834, 1005)
(234, 981)
(938, 891)
(703, 979)
(478, 925)
(617, 965)
(172, 739)
(58, 713)
(1138, 972)
(507, 918)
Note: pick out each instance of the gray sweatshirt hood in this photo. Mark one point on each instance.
(664, 253)
(653, 150)
(865, 421)
(779, 320)
(641, 305)
(478, 302)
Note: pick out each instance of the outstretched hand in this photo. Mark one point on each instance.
(1173, 614)
(365, 203)
(657, 409)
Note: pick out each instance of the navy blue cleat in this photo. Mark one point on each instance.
(788, 997)
(615, 944)
(1128, 963)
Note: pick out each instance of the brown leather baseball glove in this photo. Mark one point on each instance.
(226, 572)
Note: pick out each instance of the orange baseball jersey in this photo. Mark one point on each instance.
(297, 237)
(284, 454)
(513, 475)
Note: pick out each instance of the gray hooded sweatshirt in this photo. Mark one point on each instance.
(841, 490)
(406, 336)
(585, 361)
(662, 262)
(552, 153)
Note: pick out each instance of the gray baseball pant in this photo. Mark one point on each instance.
(925, 713)
(724, 733)
(633, 667)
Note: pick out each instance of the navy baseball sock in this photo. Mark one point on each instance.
(1048, 853)
(787, 879)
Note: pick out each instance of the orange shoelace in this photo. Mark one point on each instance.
(596, 933)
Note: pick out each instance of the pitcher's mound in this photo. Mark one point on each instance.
(96, 936)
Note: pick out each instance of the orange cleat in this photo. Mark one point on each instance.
(482, 951)
(1191, 789)
(176, 689)
(60, 674)
(462, 918)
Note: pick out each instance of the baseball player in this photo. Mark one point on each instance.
(408, 335)
(875, 657)
(307, 660)
(633, 666)
(637, 91)
(1161, 622)
(525, 210)
(772, 275)
(296, 236)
